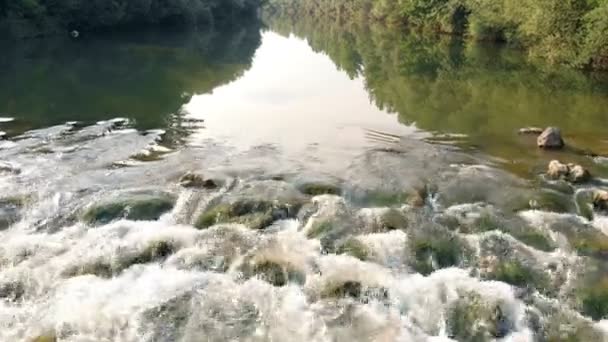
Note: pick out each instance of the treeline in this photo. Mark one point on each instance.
(30, 18)
(571, 32)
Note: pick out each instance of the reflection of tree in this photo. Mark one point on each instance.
(141, 76)
(444, 84)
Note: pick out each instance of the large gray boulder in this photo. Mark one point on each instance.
(550, 138)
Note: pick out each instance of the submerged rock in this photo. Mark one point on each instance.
(434, 249)
(530, 130)
(315, 189)
(571, 172)
(354, 247)
(275, 273)
(340, 290)
(195, 180)
(139, 207)
(550, 138)
(169, 319)
(472, 318)
(518, 274)
(253, 213)
(107, 268)
(9, 211)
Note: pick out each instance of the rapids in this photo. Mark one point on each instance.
(320, 218)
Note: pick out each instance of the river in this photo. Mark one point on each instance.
(299, 180)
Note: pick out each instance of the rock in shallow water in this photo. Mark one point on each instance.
(550, 138)
(571, 172)
(195, 180)
(530, 130)
(600, 199)
(133, 207)
(255, 214)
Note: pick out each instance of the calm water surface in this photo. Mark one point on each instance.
(361, 184)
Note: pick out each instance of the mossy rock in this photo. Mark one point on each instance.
(471, 319)
(255, 214)
(353, 247)
(320, 228)
(155, 251)
(431, 252)
(316, 189)
(590, 242)
(520, 275)
(513, 226)
(555, 201)
(351, 289)
(535, 239)
(138, 208)
(393, 219)
(550, 200)
(380, 198)
(276, 273)
(594, 299)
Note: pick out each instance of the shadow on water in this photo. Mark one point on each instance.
(448, 86)
(144, 76)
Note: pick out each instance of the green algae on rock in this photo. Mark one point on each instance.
(253, 213)
(437, 249)
(518, 274)
(472, 319)
(107, 268)
(315, 189)
(355, 248)
(140, 207)
(593, 299)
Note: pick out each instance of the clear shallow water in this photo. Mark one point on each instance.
(439, 225)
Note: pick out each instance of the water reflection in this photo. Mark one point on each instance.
(142, 76)
(445, 85)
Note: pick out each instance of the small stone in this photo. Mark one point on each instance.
(557, 170)
(600, 199)
(550, 138)
(531, 130)
(578, 174)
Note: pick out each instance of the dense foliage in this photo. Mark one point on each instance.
(562, 31)
(27, 18)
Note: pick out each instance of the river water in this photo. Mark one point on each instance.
(344, 183)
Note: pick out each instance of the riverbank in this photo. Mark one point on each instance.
(573, 33)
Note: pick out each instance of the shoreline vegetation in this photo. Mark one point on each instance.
(568, 32)
(36, 18)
